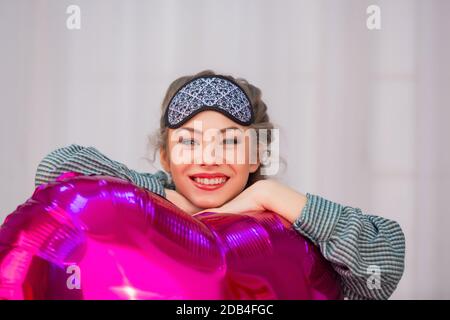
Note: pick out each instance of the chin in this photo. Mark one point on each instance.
(208, 203)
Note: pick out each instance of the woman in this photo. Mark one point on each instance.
(356, 244)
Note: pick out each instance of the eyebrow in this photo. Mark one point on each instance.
(197, 131)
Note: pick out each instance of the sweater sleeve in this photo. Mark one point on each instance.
(361, 248)
(89, 161)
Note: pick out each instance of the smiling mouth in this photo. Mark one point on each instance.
(209, 183)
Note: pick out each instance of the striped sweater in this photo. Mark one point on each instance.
(355, 243)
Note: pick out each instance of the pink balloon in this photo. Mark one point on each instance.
(99, 237)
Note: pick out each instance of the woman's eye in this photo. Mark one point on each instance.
(234, 140)
(188, 142)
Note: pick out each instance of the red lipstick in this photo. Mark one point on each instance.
(205, 175)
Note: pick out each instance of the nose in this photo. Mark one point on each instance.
(210, 154)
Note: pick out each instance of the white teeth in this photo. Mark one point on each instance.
(210, 181)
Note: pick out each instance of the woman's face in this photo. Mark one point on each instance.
(210, 158)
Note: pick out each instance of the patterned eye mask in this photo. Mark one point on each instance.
(209, 93)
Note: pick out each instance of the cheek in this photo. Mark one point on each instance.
(179, 172)
(241, 173)
(240, 155)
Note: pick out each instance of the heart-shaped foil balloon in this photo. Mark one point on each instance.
(99, 237)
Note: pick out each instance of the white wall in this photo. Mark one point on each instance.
(363, 113)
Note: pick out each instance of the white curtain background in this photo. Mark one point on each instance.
(363, 114)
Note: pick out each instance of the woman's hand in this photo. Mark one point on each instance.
(267, 195)
(181, 202)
